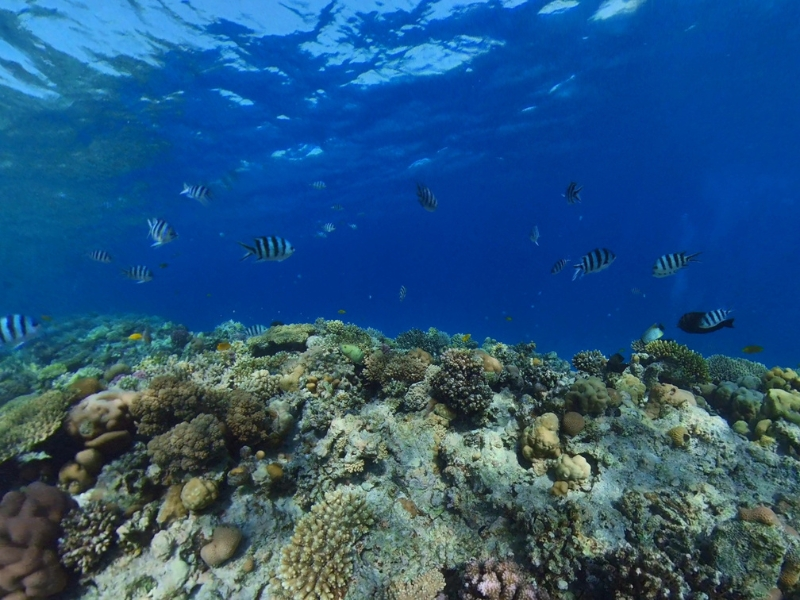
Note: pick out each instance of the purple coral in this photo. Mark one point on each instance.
(497, 580)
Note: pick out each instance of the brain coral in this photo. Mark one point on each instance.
(461, 382)
(189, 447)
(29, 420)
(685, 367)
(589, 397)
(317, 562)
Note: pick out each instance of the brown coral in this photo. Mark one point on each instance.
(100, 413)
(759, 514)
(590, 396)
(171, 400)
(189, 447)
(461, 382)
(29, 524)
(573, 423)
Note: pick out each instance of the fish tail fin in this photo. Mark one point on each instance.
(693, 257)
(578, 272)
(728, 323)
(250, 251)
(186, 188)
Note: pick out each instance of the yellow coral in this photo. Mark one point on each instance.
(688, 365)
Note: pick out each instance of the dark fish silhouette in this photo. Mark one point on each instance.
(705, 322)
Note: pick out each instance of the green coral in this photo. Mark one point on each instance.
(686, 367)
(30, 420)
(590, 396)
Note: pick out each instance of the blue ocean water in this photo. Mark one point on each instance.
(680, 120)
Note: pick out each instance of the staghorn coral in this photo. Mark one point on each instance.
(461, 382)
(88, 534)
(171, 400)
(590, 361)
(726, 368)
(189, 447)
(684, 366)
(496, 580)
(30, 420)
(317, 562)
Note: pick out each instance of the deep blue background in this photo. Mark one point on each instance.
(680, 121)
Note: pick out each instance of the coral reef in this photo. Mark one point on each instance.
(496, 580)
(725, 368)
(88, 534)
(590, 397)
(29, 420)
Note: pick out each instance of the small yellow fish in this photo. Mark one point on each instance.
(46, 318)
(341, 311)
(754, 349)
(135, 337)
(163, 265)
(466, 338)
(508, 318)
(223, 347)
(536, 362)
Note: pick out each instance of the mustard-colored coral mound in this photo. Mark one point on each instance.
(687, 367)
(781, 379)
(30, 420)
(317, 562)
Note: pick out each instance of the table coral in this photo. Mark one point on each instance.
(461, 382)
(317, 562)
(29, 420)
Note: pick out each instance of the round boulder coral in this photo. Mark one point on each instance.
(189, 447)
(590, 397)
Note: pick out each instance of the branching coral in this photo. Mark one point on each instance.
(88, 533)
(726, 368)
(590, 361)
(685, 367)
(189, 447)
(317, 562)
(461, 382)
(171, 400)
(497, 580)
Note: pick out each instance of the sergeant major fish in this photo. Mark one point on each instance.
(255, 330)
(139, 273)
(100, 256)
(594, 262)
(669, 264)
(573, 193)
(560, 264)
(426, 198)
(15, 330)
(268, 248)
(198, 192)
(705, 322)
(161, 232)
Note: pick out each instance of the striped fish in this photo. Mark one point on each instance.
(426, 198)
(100, 256)
(329, 228)
(268, 248)
(161, 232)
(560, 264)
(15, 330)
(594, 262)
(713, 318)
(255, 330)
(139, 273)
(573, 193)
(669, 264)
(197, 192)
(319, 185)
(402, 293)
(337, 207)
(705, 322)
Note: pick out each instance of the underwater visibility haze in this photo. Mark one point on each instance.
(295, 200)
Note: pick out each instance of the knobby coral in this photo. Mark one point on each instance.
(461, 382)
